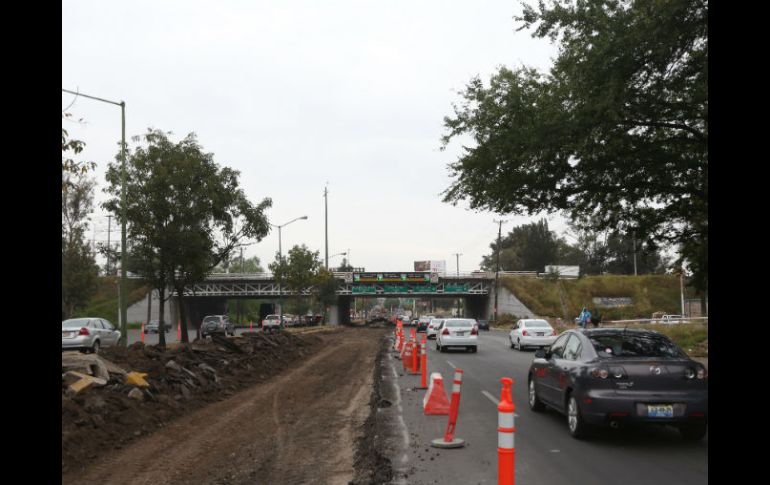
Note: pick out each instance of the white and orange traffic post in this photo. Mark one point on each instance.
(423, 364)
(449, 440)
(179, 330)
(506, 452)
(142, 330)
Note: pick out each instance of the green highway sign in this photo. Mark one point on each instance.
(455, 288)
(424, 288)
(363, 289)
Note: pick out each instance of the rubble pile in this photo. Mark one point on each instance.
(123, 393)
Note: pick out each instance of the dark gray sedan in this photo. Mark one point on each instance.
(608, 377)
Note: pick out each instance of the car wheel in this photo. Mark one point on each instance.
(474, 349)
(578, 428)
(535, 403)
(693, 432)
(511, 340)
(95, 347)
(518, 344)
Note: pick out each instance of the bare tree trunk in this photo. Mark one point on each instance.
(161, 320)
(182, 316)
(703, 307)
(149, 308)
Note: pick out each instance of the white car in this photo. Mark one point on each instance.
(433, 328)
(271, 322)
(532, 333)
(88, 334)
(457, 332)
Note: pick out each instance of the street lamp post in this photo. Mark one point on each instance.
(280, 259)
(123, 254)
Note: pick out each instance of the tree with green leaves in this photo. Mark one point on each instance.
(615, 135)
(70, 167)
(79, 271)
(185, 213)
(303, 269)
(529, 247)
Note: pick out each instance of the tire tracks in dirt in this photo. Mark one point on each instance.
(299, 427)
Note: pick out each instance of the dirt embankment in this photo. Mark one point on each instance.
(301, 425)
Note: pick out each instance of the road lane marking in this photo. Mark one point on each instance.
(451, 364)
(495, 401)
(491, 398)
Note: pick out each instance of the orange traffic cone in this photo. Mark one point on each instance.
(142, 330)
(435, 401)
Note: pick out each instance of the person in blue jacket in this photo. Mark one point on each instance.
(584, 318)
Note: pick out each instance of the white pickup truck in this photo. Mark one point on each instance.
(271, 322)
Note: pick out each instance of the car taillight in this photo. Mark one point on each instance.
(475, 331)
(83, 331)
(524, 333)
(445, 332)
(555, 333)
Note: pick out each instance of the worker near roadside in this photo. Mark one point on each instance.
(584, 318)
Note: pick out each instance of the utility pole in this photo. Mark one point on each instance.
(459, 300)
(326, 224)
(497, 271)
(634, 236)
(681, 287)
(109, 224)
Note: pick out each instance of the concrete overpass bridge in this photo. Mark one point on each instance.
(476, 289)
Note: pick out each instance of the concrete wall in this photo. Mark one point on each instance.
(507, 303)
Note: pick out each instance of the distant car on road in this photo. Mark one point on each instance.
(88, 334)
(483, 324)
(152, 327)
(217, 324)
(531, 333)
(457, 332)
(422, 323)
(271, 322)
(433, 328)
(604, 376)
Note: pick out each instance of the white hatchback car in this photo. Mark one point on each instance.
(433, 328)
(457, 332)
(532, 333)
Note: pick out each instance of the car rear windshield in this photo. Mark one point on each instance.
(272, 317)
(460, 323)
(537, 323)
(211, 319)
(75, 322)
(630, 345)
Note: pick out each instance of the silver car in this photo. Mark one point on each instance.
(457, 332)
(433, 327)
(88, 334)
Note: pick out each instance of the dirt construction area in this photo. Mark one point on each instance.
(255, 409)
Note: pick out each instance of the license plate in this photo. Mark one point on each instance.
(660, 411)
(460, 334)
(540, 334)
(68, 334)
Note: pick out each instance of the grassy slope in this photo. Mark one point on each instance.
(650, 293)
(105, 303)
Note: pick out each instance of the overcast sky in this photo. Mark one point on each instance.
(299, 94)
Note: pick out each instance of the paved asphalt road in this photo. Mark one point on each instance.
(545, 452)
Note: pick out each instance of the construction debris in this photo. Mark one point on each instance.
(137, 379)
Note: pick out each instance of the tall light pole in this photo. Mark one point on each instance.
(459, 300)
(497, 271)
(123, 254)
(280, 259)
(326, 224)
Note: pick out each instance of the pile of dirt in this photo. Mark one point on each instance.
(372, 467)
(181, 379)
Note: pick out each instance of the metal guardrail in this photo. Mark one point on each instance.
(659, 321)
